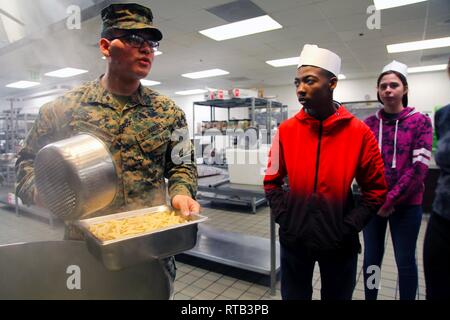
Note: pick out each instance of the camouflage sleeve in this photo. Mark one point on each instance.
(181, 169)
(39, 135)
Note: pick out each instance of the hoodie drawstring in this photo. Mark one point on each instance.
(394, 159)
(380, 141)
(380, 135)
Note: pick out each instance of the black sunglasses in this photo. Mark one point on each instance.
(137, 41)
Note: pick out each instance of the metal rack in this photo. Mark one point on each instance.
(263, 120)
(362, 109)
(224, 194)
(14, 126)
(8, 144)
(253, 104)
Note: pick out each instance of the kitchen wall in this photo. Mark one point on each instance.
(202, 113)
(426, 91)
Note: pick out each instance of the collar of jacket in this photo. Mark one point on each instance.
(405, 113)
(337, 119)
(100, 95)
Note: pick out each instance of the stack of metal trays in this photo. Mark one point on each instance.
(130, 250)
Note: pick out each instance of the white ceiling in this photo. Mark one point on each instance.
(333, 24)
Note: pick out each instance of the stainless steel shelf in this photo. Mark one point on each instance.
(234, 249)
(238, 103)
(34, 210)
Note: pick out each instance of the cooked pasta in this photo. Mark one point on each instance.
(116, 229)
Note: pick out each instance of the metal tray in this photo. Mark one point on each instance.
(129, 251)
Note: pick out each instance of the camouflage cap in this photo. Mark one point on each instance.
(129, 16)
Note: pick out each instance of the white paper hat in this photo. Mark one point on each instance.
(396, 66)
(312, 55)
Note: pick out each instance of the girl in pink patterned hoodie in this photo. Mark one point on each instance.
(404, 138)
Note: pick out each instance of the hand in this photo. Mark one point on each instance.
(185, 204)
(385, 212)
(37, 199)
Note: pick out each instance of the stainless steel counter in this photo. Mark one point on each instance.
(219, 189)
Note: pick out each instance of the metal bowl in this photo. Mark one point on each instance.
(75, 177)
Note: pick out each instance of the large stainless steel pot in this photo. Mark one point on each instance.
(63, 270)
(75, 177)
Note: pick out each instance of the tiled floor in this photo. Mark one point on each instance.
(199, 279)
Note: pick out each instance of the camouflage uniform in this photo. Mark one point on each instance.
(139, 137)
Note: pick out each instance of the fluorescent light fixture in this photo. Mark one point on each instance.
(65, 73)
(148, 83)
(22, 84)
(242, 28)
(418, 45)
(387, 4)
(205, 74)
(341, 77)
(189, 92)
(435, 67)
(284, 62)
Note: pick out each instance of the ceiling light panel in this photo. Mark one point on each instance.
(418, 45)
(149, 83)
(387, 4)
(65, 73)
(205, 74)
(191, 92)
(22, 84)
(283, 62)
(435, 67)
(242, 28)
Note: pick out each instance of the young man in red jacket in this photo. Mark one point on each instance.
(321, 150)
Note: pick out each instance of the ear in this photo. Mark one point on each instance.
(406, 90)
(104, 46)
(333, 83)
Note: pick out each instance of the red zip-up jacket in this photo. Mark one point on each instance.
(321, 159)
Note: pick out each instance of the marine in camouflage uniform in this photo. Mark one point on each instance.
(141, 137)
(146, 134)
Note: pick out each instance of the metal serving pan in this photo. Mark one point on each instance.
(128, 251)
